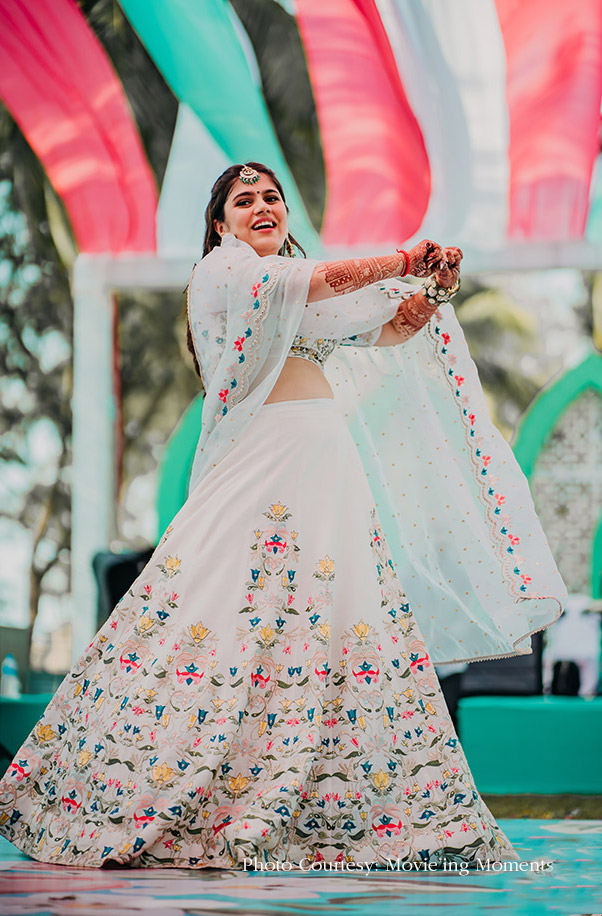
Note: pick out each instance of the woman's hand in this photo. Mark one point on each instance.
(425, 257)
(448, 268)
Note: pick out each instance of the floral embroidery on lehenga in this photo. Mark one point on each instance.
(165, 746)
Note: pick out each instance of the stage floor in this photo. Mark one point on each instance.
(573, 885)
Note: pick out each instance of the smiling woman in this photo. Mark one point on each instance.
(266, 689)
(248, 203)
(256, 215)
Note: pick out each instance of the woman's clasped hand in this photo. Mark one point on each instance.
(428, 258)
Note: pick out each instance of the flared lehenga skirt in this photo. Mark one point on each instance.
(263, 689)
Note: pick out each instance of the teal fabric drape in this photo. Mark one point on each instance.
(200, 54)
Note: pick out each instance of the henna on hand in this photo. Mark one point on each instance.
(412, 314)
(355, 273)
(424, 258)
(448, 270)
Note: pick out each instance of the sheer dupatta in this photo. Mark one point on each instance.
(244, 313)
(454, 505)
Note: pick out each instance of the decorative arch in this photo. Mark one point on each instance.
(540, 421)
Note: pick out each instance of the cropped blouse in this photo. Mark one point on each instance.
(318, 351)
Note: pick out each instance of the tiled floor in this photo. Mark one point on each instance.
(573, 885)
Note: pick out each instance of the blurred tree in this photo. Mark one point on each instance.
(35, 360)
(590, 313)
(498, 332)
(36, 253)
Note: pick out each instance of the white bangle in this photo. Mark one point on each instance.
(434, 293)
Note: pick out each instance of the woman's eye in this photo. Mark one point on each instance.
(271, 199)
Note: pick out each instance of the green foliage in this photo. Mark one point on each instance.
(35, 359)
(158, 381)
(498, 333)
(36, 321)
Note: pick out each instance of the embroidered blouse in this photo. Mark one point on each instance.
(318, 351)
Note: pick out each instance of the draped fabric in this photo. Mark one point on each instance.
(553, 86)
(377, 170)
(454, 504)
(195, 160)
(204, 54)
(244, 313)
(60, 87)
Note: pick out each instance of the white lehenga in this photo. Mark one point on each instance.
(262, 690)
(265, 687)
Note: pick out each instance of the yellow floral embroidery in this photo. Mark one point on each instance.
(325, 630)
(162, 774)
(381, 779)
(278, 510)
(83, 758)
(45, 733)
(198, 632)
(237, 783)
(266, 634)
(361, 629)
(326, 566)
(171, 566)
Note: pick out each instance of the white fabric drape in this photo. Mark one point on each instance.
(455, 506)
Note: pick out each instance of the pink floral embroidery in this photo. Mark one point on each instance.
(442, 339)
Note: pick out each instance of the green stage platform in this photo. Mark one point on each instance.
(537, 745)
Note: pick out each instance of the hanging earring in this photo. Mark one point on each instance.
(289, 247)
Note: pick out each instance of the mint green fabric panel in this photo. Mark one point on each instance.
(176, 464)
(197, 49)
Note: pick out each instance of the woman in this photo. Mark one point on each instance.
(264, 691)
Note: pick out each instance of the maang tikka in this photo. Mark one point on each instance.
(248, 175)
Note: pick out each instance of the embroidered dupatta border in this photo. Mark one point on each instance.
(493, 501)
(254, 335)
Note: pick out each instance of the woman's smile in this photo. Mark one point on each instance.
(256, 214)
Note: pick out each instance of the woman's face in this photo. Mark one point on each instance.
(248, 208)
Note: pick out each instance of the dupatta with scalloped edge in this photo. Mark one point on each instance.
(453, 503)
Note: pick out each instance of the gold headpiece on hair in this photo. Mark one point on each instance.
(248, 175)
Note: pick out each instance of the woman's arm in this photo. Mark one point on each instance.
(413, 313)
(334, 278)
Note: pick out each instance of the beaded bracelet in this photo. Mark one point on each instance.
(434, 293)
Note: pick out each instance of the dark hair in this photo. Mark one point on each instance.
(215, 211)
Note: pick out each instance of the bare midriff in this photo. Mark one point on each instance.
(299, 379)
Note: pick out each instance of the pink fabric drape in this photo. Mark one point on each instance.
(377, 170)
(554, 85)
(61, 89)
